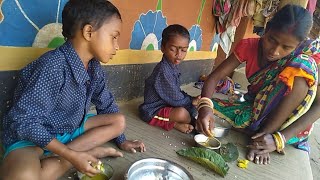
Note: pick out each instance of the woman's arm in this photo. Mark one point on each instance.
(285, 107)
(205, 120)
(305, 120)
(224, 69)
(266, 141)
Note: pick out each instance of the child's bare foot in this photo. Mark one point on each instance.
(258, 159)
(185, 128)
(101, 152)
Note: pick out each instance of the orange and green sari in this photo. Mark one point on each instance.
(268, 86)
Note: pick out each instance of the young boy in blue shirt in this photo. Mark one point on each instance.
(165, 104)
(54, 94)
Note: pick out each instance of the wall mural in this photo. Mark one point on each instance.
(215, 43)
(21, 26)
(146, 33)
(1, 15)
(38, 24)
(196, 32)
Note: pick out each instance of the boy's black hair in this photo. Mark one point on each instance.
(292, 19)
(173, 30)
(78, 13)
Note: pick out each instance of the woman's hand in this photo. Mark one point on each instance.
(205, 121)
(131, 146)
(264, 142)
(82, 162)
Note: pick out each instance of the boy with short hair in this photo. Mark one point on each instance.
(165, 104)
(54, 94)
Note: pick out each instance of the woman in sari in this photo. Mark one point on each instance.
(283, 78)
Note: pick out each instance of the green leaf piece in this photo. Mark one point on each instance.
(207, 158)
(229, 152)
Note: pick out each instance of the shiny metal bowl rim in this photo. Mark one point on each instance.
(126, 176)
(223, 131)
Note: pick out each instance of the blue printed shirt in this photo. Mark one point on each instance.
(53, 95)
(162, 89)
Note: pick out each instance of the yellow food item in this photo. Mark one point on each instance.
(243, 163)
(96, 177)
(99, 166)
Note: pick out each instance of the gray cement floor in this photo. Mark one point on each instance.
(163, 144)
(315, 151)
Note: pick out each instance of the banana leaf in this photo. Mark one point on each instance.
(207, 158)
(229, 152)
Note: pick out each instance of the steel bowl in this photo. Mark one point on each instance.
(220, 131)
(222, 127)
(206, 142)
(154, 169)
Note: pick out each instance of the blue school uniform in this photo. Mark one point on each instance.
(52, 97)
(162, 89)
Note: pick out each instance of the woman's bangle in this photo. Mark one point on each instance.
(204, 105)
(283, 137)
(279, 141)
(205, 100)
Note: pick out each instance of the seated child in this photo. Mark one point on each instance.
(165, 104)
(54, 94)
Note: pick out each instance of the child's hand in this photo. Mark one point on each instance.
(82, 162)
(195, 100)
(130, 146)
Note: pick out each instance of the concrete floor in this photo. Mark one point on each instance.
(163, 144)
(315, 151)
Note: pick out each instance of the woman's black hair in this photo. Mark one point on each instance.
(78, 13)
(173, 30)
(292, 19)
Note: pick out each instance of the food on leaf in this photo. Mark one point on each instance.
(207, 158)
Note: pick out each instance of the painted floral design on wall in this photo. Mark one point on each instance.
(28, 24)
(146, 33)
(196, 32)
(215, 43)
(195, 38)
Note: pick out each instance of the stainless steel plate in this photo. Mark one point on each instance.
(157, 169)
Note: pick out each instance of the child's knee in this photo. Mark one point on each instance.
(181, 114)
(121, 122)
